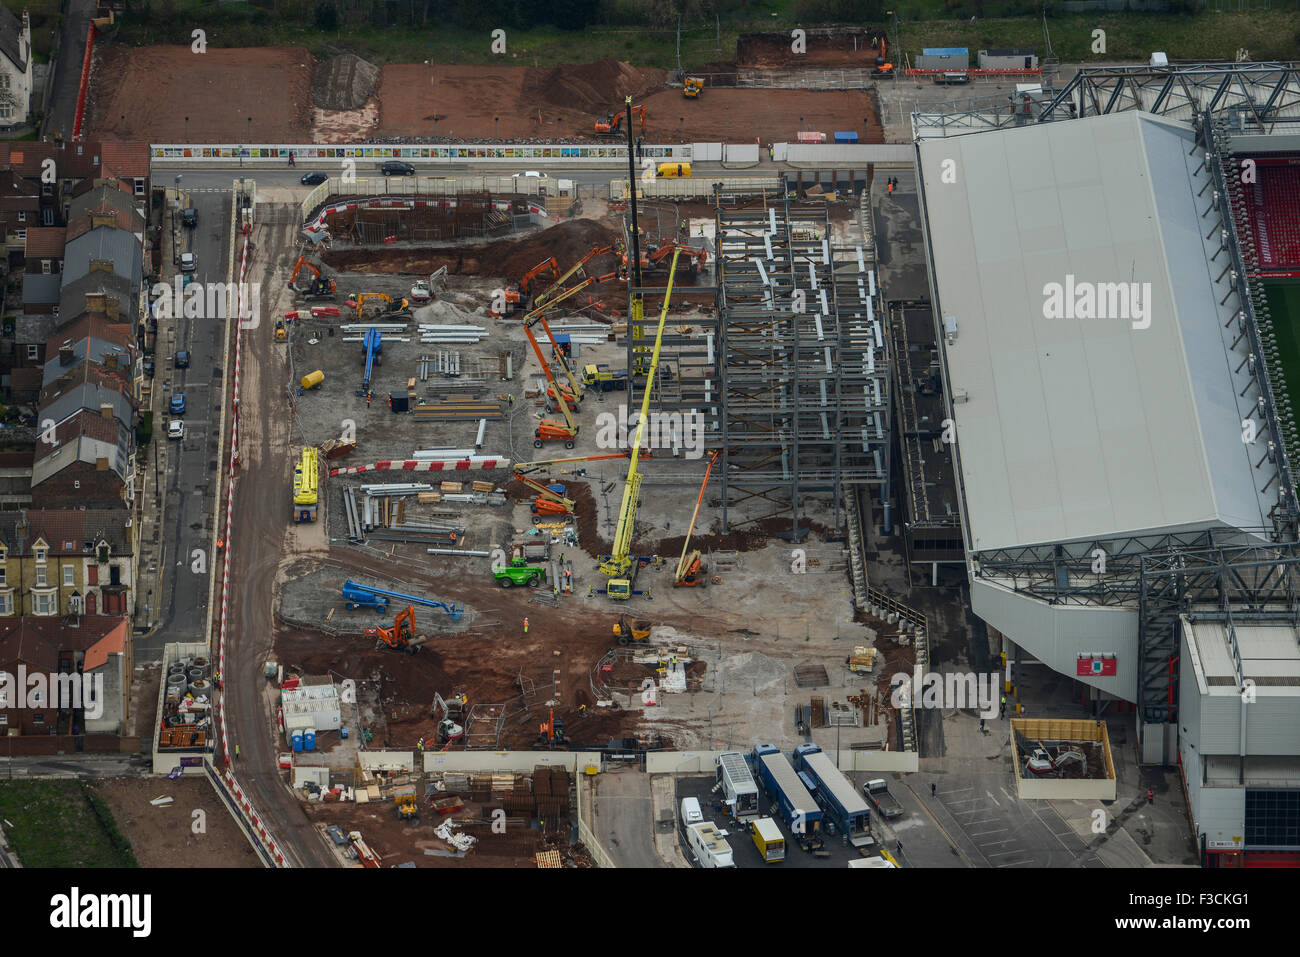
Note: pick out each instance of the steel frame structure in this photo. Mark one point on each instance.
(1257, 96)
(792, 376)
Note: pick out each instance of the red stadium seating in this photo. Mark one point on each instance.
(1272, 214)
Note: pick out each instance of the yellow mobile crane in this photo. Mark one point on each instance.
(620, 568)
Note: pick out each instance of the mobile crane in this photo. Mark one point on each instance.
(621, 568)
(373, 344)
(560, 280)
(549, 501)
(550, 429)
(690, 567)
(612, 125)
(321, 287)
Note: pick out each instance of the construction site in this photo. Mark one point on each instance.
(562, 475)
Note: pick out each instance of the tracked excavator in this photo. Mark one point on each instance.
(401, 637)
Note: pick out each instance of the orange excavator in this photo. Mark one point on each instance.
(401, 637)
(519, 296)
(882, 66)
(321, 287)
(656, 260)
(612, 125)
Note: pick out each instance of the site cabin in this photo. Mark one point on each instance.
(709, 846)
(674, 170)
(739, 790)
(872, 862)
(769, 840)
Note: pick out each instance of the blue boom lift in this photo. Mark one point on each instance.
(373, 343)
(367, 596)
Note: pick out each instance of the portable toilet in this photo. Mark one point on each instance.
(296, 738)
(309, 739)
(848, 136)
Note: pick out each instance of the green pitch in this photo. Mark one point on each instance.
(1284, 303)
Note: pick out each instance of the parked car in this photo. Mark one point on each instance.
(149, 367)
(396, 168)
(175, 429)
(183, 359)
(313, 179)
(189, 262)
(190, 218)
(534, 174)
(177, 405)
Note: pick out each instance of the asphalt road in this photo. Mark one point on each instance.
(190, 483)
(623, 819)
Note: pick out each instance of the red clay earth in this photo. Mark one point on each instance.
(847, 48)
(145, 93)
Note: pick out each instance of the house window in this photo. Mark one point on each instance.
(22, 216)
(33, 351)
(4, 576)
(4, 81)
(69, 576)
(45, 604)
(4, 720)
(40, 576)
(47, 216)
(45, 267)
(41, 551)
(19, 233)
(38, 718)
(6, 604)
(4, 554)
(139, 186)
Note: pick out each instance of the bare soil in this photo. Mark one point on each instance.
(840, 47)
(164, 836)
(769, 116)
(145, 93)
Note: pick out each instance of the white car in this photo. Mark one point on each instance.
(175, 429)
(534, 174)
(189, 262)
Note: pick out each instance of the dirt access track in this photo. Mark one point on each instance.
(146, 94)
(841, 46)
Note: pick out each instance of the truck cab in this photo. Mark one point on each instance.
(600, 378)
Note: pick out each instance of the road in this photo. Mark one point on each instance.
(623, 814)
(190, 482)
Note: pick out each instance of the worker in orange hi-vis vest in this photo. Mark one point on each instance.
(525, 626)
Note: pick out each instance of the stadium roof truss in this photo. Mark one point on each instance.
(1257, 96)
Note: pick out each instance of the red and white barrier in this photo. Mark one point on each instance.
(427, 465)
(245, 806)
(84, 85)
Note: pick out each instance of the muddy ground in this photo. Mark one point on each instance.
(165, 836)
(146, 94)
(823, 48)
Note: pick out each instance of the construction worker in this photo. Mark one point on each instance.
(291, 162)
(1151, 796)
(1004, 707)
(525, 626)
(933, 788)
(582, 710)
(236, 750)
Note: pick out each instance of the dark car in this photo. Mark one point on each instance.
(190, 217)
(149, 367)
(396, 168)
(183, 359)
(313, 179)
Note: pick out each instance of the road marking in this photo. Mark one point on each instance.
(992, 798)
(987, 820)
(1009, 840)
(1015, 863)
(996, 830)
(1002, 854)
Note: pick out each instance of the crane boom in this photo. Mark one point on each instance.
(574, 383)
(681, 562)
(620, 560)
(550, 376)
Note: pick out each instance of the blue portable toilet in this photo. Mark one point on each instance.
(309, 739)
(296, 738)
(343, 733)
(846, 136)
(564, 344)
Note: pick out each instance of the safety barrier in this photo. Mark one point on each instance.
(85, 81)
(426, 465)
(244, 805)
(516, 154)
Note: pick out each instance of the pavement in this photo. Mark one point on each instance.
(62, 109)
(623, 818)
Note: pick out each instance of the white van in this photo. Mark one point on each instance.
(691, 813)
